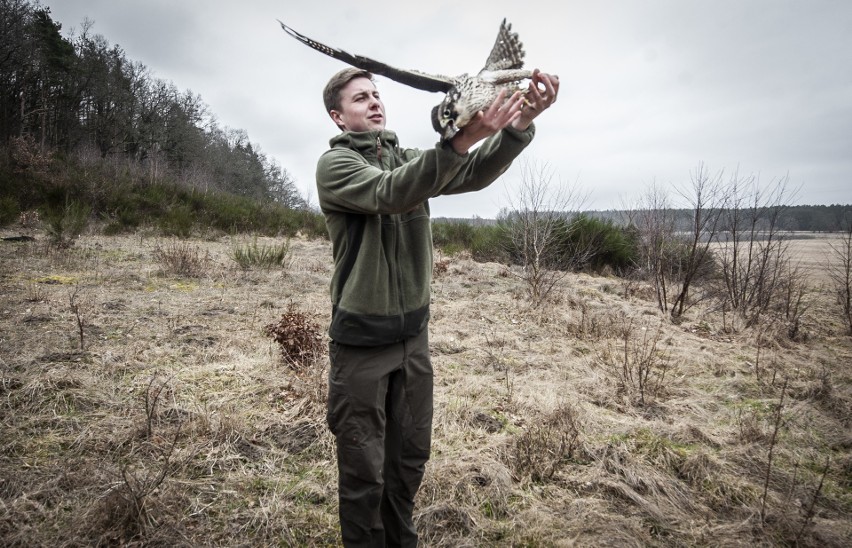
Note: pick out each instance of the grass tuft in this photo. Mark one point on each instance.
(254, 255)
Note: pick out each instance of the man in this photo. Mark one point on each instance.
(374, 196)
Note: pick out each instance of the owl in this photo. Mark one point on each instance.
(465, 95)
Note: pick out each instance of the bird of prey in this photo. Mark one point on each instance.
(465, 95)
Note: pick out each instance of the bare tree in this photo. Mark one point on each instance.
(753, 251)
(655, 222)
(840, 271)
(536, 222)
(674, 254)
(707, 198)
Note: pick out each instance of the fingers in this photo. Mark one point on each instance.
(551, 87)
(540, 98)
(503, 111)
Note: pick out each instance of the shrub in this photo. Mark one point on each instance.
(602, 243)
(65, 221)
(261, 256)
(453, 236)
(9, 210)
(490, 243)
(485, 243)
(124, 220)
(546, 445)
(182, 259)
(635, 362)
(177, 222)
(298, 336)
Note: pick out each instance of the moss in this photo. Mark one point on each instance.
(184, 286)
(57, 279)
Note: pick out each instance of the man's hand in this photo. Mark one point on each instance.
(487, 122)
(518, 111)
(537, 100)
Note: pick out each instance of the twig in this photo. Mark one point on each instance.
(75, 309)
(810, 513)
(772, 441)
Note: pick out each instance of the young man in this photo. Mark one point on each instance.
(374, 196)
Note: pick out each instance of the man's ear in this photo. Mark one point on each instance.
(335, 117)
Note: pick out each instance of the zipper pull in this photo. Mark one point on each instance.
(379, 149)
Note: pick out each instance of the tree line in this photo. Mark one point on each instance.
(82, 96)
(793, 218)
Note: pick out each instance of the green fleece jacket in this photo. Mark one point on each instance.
(374, 196)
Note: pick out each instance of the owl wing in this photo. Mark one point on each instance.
(413, 78)
(508, 51)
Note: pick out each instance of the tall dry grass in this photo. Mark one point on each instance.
(178, 422)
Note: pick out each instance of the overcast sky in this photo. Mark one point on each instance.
(649, 89)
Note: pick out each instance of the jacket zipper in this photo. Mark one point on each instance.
(397, 228)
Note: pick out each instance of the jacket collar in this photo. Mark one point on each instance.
(364, 141)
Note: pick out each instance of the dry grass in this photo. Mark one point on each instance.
(178, 423)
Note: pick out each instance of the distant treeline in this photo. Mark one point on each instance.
(803, 218)
(83, 98)
(798, 218)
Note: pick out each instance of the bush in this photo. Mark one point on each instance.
(66, 221)
(485, 243)
(9, 210)
(126, 199)
(182, 259)
(453, 236)
(490, 243)
(602, 243)
(546, 445)
(262, 256)
(177, 221)
(598, 243)
(122, 221)
(298, 336)
(635, 363)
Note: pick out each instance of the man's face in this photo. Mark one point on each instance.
(361, 109)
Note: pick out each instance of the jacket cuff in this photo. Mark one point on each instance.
(526, 135)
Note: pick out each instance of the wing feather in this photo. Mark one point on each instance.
(508, 51)
(413, 78)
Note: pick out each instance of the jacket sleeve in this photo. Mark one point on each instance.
(485, 164)
(346, 182)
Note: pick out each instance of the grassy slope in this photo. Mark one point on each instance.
(177, 423)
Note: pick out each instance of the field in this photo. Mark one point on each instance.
(142, 403)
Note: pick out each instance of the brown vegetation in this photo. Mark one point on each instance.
(143, 403)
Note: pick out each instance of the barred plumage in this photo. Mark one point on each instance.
(465, 95)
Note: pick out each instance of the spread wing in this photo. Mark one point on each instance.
(413, 78)
(508, 51)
